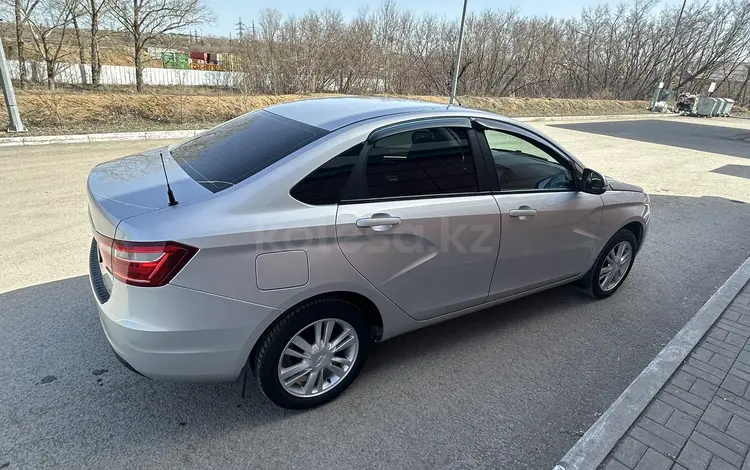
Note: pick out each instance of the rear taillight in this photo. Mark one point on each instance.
(145, 264)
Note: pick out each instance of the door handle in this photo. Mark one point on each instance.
(379, 222)
(522, 212)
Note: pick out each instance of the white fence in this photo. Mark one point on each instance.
(125, 75)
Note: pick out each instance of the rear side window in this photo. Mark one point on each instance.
(421, 162)
(324, 185)
(234, 151)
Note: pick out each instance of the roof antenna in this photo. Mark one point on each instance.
(170, 194)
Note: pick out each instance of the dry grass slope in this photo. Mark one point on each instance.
(71, 111)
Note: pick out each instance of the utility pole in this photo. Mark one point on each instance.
(668, 63)
(240, 29)
(458, 55)
(10, 97)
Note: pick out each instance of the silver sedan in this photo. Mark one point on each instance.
(287, 241)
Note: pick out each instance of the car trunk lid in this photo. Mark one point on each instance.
(134, 185)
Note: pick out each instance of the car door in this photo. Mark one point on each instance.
(416, 220)
(549, 227)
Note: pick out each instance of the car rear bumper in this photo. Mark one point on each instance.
(177, 334)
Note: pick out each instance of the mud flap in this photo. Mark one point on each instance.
(241, 382)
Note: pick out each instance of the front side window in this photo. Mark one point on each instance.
(324, 185)
(523, 165)
(421, 162)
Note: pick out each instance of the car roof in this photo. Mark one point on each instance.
(333, 113)
(336, 112)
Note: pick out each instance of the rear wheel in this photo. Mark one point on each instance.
(611, 267)
(313, 353)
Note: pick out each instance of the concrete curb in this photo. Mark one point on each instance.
(156, 135)
(85, 138)
(591, 449)
(606, 117)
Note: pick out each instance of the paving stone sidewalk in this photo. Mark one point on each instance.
(700, 419)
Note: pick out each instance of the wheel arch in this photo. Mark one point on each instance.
(368, 307)
(638, 230)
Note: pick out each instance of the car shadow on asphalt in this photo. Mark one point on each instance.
(75, 342)
(478, 326)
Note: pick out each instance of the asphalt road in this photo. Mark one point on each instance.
(509, 387)
(689, 135)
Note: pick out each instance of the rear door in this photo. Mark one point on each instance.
(549, 227)
(416, 220)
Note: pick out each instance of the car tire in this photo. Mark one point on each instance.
(591, 282)
(300, 323)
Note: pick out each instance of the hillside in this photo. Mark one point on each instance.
(88, 111)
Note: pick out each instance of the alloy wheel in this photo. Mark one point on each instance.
(318, 357)
(615, 266)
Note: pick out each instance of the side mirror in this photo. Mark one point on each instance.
(593, 182)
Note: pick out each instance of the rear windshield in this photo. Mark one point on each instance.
(228, 154)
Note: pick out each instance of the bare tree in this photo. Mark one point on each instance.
(77, 13)
(21, 10)
(269, 27)
(94, 9)
(725, 37)
(608, 51)
(355, 57)
(49, 27)
(146, 20)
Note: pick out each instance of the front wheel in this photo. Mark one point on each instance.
(611, 267)
(313, 353)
